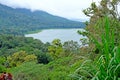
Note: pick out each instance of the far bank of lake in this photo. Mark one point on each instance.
(48, 35)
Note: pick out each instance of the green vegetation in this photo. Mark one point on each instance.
(107, 65)
(59, 69)
(31, 32)
(103, 33)
(10, 44)
(30, 59)
(20, 57)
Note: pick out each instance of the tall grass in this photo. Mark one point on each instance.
(109, 61)
(107, 66)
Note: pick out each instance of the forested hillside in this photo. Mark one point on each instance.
(10, 44)
(20, 21)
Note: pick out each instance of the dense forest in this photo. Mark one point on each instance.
(21, 21)
(30, 59)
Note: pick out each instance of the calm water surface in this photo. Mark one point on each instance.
(48, 35)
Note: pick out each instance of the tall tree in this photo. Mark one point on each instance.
(96, 26)
(56, 48)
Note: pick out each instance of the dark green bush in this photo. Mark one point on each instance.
(43, 58)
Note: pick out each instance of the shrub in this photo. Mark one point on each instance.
(2, 69)
(43, 58)
(20, 57)
(31, 57)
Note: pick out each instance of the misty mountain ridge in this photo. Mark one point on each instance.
(21, 20)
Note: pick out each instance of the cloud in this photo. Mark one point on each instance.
(65, 8)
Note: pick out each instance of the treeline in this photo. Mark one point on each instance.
(10, 44)
(15, 50)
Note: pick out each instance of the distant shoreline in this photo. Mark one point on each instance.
(37, 31)
(32, 32)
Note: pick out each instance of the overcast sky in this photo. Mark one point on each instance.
(71, 9)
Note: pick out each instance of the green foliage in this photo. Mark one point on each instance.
(104, 39)
(44, 58)
(30, 57)
(84, 41)
(55, 49)
(70, 48)
(65, 61)
(20, 57)
(59, 69)
(95, 27)
(2, 68)
(86, 71)
(2, 64)
(22, 76)
(109, 62)
(107, 66)
(2, 60)
(10, 44)
(106, 7)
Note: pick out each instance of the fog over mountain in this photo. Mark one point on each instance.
(71, 9)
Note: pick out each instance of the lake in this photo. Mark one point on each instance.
(48, 35)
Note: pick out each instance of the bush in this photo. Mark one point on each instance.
(2, 69)
(22, 76)
(19, 58)
(30, 57)
(43, 58)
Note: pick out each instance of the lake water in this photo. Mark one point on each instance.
(48, 35)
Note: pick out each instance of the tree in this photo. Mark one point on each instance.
(20, 57)
(71, 47)
(103, 33)
(30, 57)
(43, 58)
(106, 7)
(97, 15)
(55, 49)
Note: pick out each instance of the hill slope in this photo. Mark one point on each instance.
(21, 21)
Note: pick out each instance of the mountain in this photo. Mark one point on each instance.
(20, 21)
